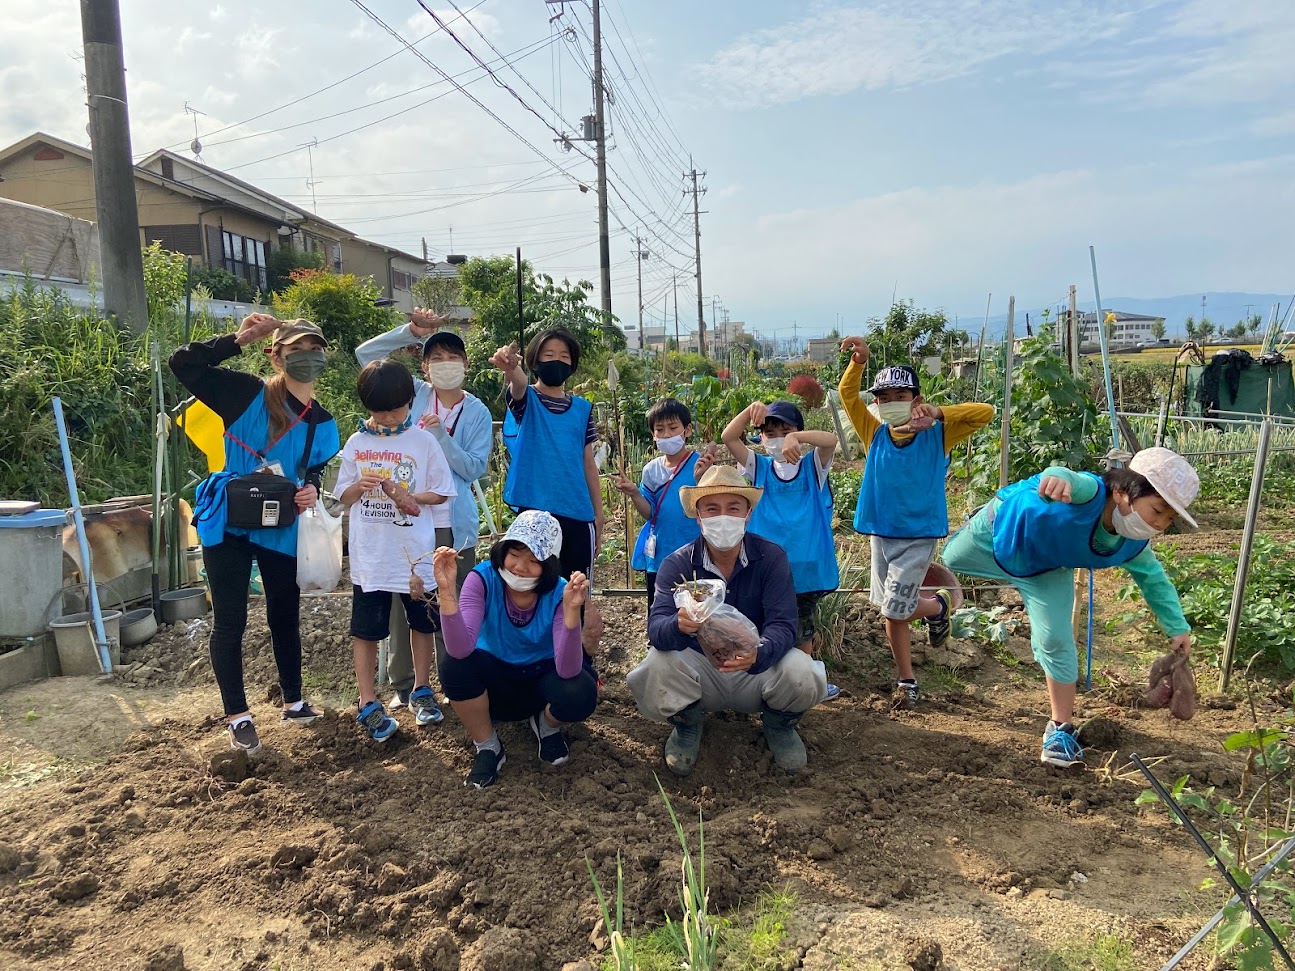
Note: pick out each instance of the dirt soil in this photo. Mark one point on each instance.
(131, 837)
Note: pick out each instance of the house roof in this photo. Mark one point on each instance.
(234, 182)
(1120, 316)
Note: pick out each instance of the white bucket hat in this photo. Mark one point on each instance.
(1171, 475)
(538, 531)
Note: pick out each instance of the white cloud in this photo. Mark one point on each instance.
(837, 50)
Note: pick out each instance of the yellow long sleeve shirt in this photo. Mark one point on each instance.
(960, 421)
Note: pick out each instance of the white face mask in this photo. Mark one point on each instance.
(772, 447)
(1133, 526)
(446, 375)
(723, 532)
(892, 412)
(520, 584)
(671, 446)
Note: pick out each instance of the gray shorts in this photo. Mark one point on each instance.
(898, 568)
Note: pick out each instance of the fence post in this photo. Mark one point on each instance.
(1247, 542)
(1004, 463)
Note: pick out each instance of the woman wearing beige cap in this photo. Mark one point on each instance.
(272, 425)
(1035, 533)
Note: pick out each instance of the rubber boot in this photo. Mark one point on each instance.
(784, 742)
(684, 743)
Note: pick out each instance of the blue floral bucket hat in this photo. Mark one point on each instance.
(538, 531)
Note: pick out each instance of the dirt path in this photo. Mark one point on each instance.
(127, 828)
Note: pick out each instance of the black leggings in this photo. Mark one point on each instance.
(229, 570)
(518, 691)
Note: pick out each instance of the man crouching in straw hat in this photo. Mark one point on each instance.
(677, 682)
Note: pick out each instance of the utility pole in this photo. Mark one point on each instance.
(1073, 331)
(640, 254)
(677, 347)
(311, 183)
(121, 261)
(600, 148)
(696, 228)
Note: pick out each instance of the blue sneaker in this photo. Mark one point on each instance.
(423, 704)
(833, 692)
(1060, 746)
(375, 720)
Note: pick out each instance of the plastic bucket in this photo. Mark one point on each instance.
(138, 626)
(78, 654)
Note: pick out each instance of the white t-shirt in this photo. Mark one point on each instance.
(786, 470)
(383, 540)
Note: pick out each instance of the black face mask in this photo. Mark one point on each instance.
(553, 373)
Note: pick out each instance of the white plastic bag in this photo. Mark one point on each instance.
(319, 551)
(697, 599)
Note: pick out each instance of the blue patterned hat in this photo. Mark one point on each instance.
(538, 531)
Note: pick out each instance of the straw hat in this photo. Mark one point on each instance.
(718, 480)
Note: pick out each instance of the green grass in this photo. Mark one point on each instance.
(940, 678)
(1100, 952)
(653, 951)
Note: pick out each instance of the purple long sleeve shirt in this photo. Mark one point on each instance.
(460, 629)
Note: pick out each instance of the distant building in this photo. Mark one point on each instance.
(1128, 328)
(652, 338)
(821, 350)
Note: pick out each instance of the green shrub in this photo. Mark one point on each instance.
(341, 304)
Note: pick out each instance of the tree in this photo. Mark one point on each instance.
(1255, 326)
(281, 263)
(1205, 328)
(1158, 328)
(489, 288)
(1237, 330)
(439, 293)
(341, 304)
(906, 335)
(1189, 327)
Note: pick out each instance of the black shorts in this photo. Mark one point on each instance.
(371, 614)
(517, 691)
(806, 604)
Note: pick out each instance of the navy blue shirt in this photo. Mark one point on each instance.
(761, 590)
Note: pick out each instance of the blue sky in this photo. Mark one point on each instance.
(938, 149)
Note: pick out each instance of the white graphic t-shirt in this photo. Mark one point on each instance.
(382, 539)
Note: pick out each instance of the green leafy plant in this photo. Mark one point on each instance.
(341, 304)
(1205, 581)
(1246, 830)
(165, 280)
(696, 934)
(1097, 952)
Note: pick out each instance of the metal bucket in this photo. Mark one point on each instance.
(78, 654)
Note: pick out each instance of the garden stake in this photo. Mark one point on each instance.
(1245, 896)
(1214, 921)
(1008, 351)
(1243, 559)
(1088, 671)
(980, 362)
(1106, 355)
(613, 380)
(105, 660)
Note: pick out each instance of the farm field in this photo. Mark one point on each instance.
(132, 838)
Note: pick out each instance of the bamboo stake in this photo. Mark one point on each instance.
(1243, 558)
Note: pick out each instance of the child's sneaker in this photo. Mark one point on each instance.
(423, 704)
(304, 715)
(937, 628)
(905, 696)
(833, 692)
(242, 734)
(1060, 746)
(553, 747)
(375, 720)
(485, 768)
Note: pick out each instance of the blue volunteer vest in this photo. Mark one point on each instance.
(253, 427)
(797, 515)
(503, 639)
(547, 465)
(902, 493)
(1033, 535)
(673, 529)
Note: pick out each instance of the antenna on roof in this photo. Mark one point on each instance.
(195, 146)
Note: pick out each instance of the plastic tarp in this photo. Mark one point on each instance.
(1252, 390)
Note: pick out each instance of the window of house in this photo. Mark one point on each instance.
(245, 258)
(400, 280)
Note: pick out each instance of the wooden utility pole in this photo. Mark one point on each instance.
(121, 264)
(640, 254)
(696, 228)
(600, 148)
